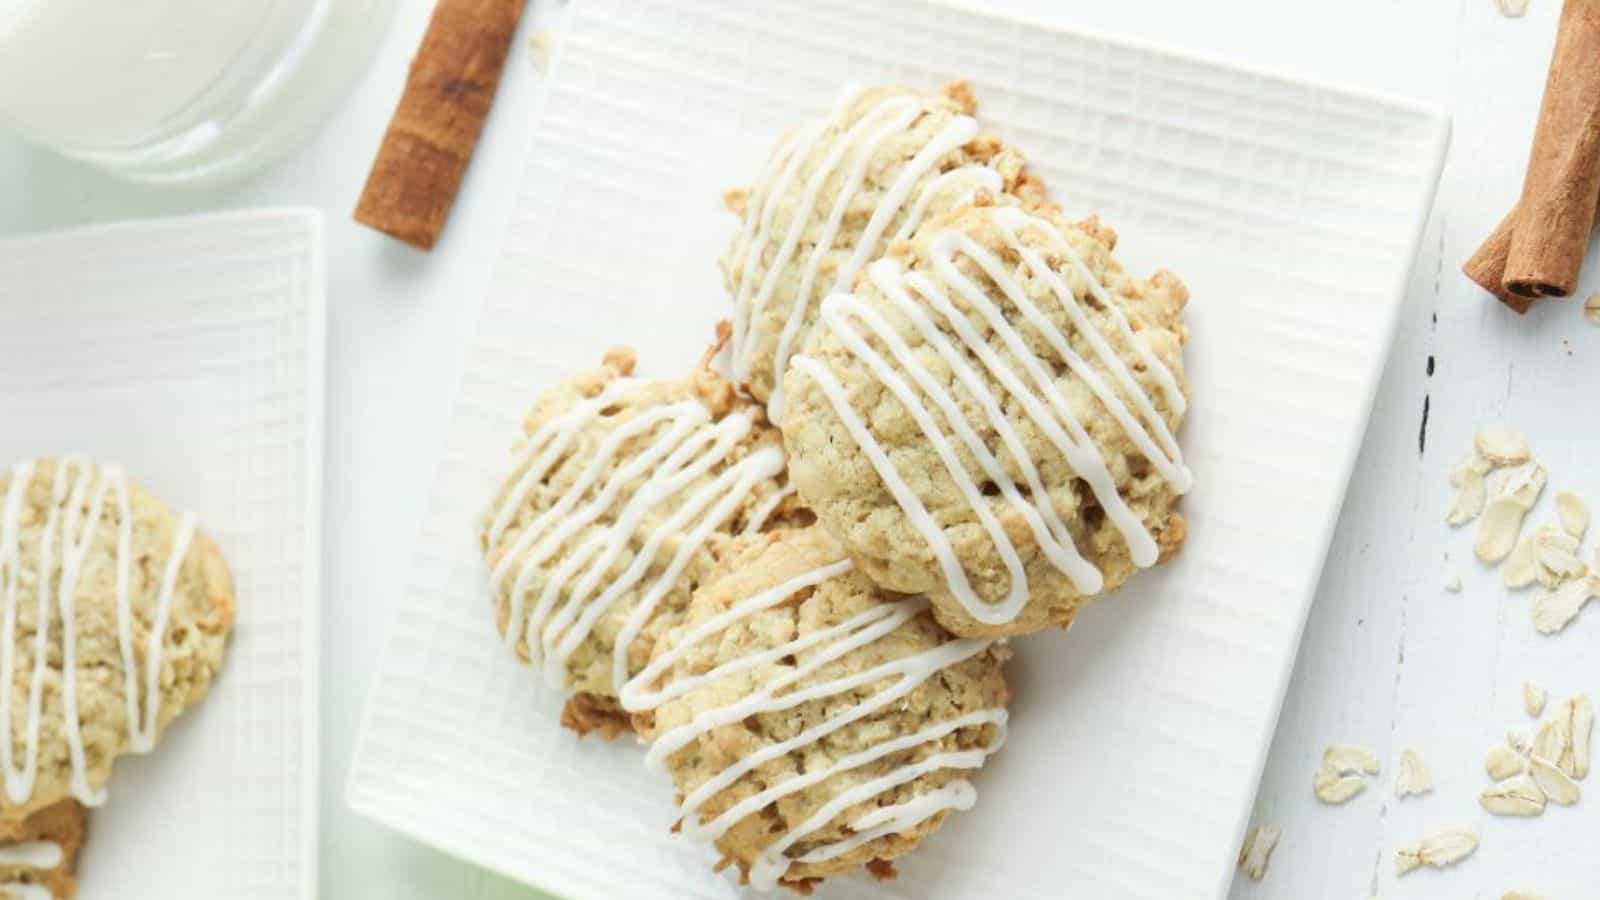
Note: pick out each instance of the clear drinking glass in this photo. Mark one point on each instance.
(179, 90)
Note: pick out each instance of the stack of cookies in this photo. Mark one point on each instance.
(115, 619)
(941, 415)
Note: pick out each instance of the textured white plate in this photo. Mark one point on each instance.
(1293, 212)
(191, 350)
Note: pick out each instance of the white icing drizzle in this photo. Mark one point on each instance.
(31, 854)
(650, 505)
(890, 116)
(976, 176)
(78, 494)
(1052, 414)
(542, 448)
(827, 645)
(19, 891)
(958, 795)
(764, 510)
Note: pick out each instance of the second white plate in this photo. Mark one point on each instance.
(191, 351)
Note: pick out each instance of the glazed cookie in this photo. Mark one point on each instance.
(814, 724)
(116, 617)
(620, 498)
(836, 192)
(39, 854)
(991, 418)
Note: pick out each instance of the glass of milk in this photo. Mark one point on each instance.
(179, 90)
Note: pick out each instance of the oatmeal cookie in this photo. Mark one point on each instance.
(990, 417)
(623, 493)
(813, 723)
(39, 853)
(834, 194)
(116, 615)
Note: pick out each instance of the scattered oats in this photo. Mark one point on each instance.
(1591, 309)
(1512, 9)
(1521, 895)
(1533, 698)
(541, 44)
(1518, 795)
(1550, 740)
(1511, 493)
(1468, 478)
(1503, 763)
(1556, 555)
(1555, 783)
(1577, 716)
(1501, 446)
(1553, 610)
(1350, 758)
(1331, 787)
(1453, 584)
(1438, 849)
(1339, 777)
(1474, 464)
(1522, 483)
(1497, 529)
(1572, 512)
(1518, 742)
(1521, 569)
(1257, 850)
(1414, 777)
(1580, 727)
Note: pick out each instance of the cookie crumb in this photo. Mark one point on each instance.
(620, 360)
(960, 92)
(586, 713)
(984, 147)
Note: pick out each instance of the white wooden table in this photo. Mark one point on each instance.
(1390, 659)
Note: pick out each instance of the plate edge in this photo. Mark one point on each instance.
(1425, 203)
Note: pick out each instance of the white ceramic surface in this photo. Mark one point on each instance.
(191, 351)
(1292, 211)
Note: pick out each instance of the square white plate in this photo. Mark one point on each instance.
(191, 350)
(1293, 212)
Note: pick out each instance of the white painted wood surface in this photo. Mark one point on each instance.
(1390, 659)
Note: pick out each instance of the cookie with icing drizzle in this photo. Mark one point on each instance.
(39, 853)
(991, 417)
(114, 618)
(835, 193)
(813, 723)
(621, 496)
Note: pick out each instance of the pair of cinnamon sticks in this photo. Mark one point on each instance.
(1537, 250)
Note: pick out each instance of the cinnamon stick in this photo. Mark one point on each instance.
(1487, 266)
(435, 128)
(1537, 250)
(1557, 212)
